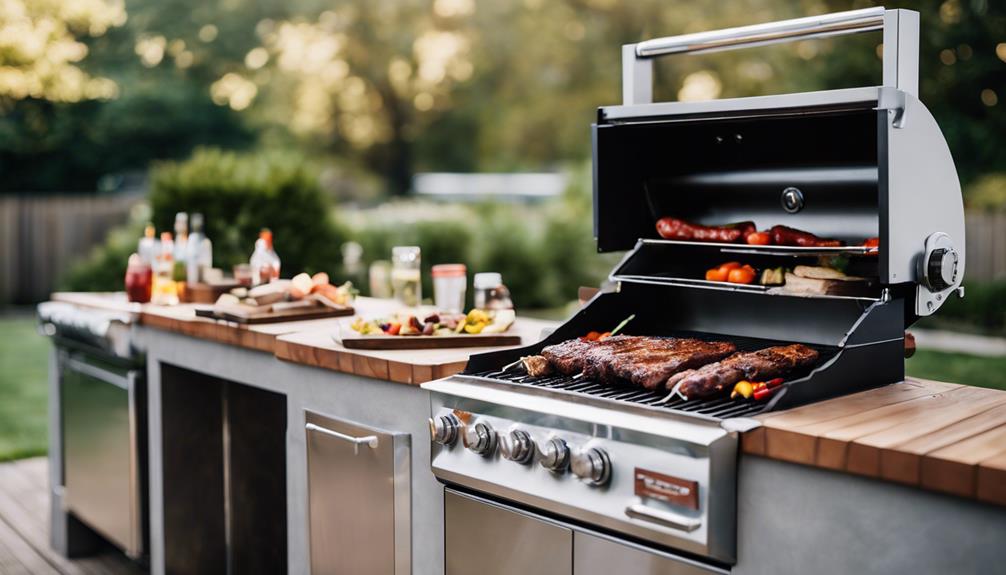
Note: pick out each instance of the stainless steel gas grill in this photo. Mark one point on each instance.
(623, 477)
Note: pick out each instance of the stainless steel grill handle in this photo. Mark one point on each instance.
(665, 518)
(368, 440)
(901, 45)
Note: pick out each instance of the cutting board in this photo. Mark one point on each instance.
(353, 340)
(293, 314)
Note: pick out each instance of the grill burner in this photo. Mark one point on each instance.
(717, 408)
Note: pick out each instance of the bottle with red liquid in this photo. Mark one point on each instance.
(139, 279)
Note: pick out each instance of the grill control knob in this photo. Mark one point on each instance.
(592, 465)
(444, 429)
(941, 269)
(516, 446)
(554, 455)
(480, 438)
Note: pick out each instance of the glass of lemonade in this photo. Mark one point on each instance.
(406, 277)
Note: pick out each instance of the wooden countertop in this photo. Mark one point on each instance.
(940, 436)
(308, 342)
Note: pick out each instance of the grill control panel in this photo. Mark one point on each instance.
(666, 482)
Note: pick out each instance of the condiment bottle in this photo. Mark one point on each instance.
(264, 261)
(165, 289)
(490, 293)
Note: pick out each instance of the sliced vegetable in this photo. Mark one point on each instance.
(393, 328)
(763, 393)
(773, 277)
(742, 389)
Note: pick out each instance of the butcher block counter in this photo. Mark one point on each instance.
(940, 436)
(307, 342)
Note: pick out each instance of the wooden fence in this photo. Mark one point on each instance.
(41, 235)
(986, 246)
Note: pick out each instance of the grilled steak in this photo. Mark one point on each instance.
(567, 357)
(717, 378)
(644, 361)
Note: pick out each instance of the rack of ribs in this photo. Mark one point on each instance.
(717, 378)
(645, 361)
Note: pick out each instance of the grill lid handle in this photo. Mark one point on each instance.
(901, 45)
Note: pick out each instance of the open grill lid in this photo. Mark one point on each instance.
(865, 162)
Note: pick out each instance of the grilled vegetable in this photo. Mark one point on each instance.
(742, 389)
(759, 239)
(773, 277)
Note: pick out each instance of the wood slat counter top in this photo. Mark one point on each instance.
(307, 342)
(940, 436)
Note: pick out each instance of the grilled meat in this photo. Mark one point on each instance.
(567, 357)
(678, 229)
(644, 361)
(786, 236)
(717, 378)
(536, 365)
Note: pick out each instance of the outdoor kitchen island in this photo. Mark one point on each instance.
(235, 416)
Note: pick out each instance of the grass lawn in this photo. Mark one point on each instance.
(958, 368)
(24, 365)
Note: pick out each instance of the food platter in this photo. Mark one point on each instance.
(351, 339)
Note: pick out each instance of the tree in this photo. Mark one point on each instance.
(364, 78)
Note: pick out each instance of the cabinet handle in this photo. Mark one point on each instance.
(665, 518)
(368, 440)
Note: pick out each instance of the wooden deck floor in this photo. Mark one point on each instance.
(24, 528)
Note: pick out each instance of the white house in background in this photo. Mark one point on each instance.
(514, 187)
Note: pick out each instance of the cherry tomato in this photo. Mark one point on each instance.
(393, 328)
(729, 266)
(872, 243)
(741, 275)
(759, 238)
(717, 275)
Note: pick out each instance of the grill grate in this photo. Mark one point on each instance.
(717, 408)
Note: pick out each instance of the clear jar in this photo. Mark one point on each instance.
(450, 282)
(406, 277)
(490, 293)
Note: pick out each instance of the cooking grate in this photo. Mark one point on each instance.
(717, 408)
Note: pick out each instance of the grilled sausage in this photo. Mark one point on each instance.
(786, 236)
(678, 229)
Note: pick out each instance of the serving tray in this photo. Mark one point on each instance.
(257, 317)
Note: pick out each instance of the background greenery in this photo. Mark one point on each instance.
(23, 367)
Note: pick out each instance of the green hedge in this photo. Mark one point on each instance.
(238, 194)
(241, 193)
(982, 309)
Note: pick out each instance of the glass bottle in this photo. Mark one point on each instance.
(200, 252)
(490, 293)
(406, 277)
(265, 263)
(165, 289)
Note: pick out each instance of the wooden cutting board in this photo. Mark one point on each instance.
(353, 340)
(293, 314)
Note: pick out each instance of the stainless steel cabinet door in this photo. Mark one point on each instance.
(596, 556)
(487, 539)
(359, 498)
(101, 468)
